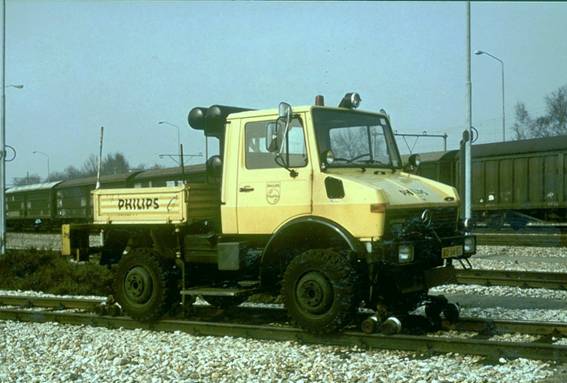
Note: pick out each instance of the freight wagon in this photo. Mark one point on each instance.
(30, 205)
(74, 200)
(169, 177)
(46, 206)
(513, 182)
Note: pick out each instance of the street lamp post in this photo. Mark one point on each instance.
(47, 156)
(3, 140)
(3, 137)
(478, 53)
(178, 136)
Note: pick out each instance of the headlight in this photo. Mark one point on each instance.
(470, 244)
(405, 253)
(329, 157)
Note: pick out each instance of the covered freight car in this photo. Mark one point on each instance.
(30, 206)
(169, 176)
(74, 200)
(512, 182)
(439, 166)
(48, 205)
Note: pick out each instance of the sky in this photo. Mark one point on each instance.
(126, 65)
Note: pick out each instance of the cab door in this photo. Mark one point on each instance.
(268, 195)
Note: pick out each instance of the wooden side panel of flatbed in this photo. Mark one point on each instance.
(204, 202)
(162, 205)
(139, 206)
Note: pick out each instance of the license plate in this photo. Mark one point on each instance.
(451, 251)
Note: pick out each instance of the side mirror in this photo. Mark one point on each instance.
(272, 142)
(284, 111)
(214, 166)
(284, 116)
(413, 163)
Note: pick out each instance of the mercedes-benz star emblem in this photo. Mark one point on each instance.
(426, 217)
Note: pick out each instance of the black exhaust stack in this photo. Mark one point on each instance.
(212, 121)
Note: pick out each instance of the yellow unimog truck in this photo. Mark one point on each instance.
(311, 202)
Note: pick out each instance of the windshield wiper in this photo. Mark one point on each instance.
(380, 164)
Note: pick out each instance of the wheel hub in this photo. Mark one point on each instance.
(314, 293)
(138, 285)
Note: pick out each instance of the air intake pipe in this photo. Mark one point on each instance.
(197, 118)
(212, 120)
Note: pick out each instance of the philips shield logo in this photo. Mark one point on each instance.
(273, 192)
(426, 217)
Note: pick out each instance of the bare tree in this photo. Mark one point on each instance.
(552, 123)
(556, 104)
(69, 173)
(524, 123)
(111, 164)
(143, 166)
(90, 166)
(30, 179)
(350, 142)
(114, 164)
(72, 172)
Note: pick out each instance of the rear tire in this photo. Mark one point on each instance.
(145, 284)
(319, 291)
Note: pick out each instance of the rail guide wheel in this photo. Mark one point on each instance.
(438, 305)
(452, 312)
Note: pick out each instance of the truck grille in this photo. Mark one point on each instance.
(443, 220)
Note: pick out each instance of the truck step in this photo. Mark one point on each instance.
(246, 288)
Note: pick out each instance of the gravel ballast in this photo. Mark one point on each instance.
(60, 353)
(542, 259)
(50, 352)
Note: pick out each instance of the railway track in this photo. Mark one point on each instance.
(539, 238)
(541, 349)
(56, 303)
(525, 279)
(521, 239)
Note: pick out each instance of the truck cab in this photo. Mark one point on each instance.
(311, 202)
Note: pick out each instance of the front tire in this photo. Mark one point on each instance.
(319, 291)
(145, 285)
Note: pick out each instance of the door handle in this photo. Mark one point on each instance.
(245, 189)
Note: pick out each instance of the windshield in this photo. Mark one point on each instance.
(357, 139)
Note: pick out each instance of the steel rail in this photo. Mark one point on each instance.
(525, 279)
(207, 313)
(484, 238)
(492, 327)
(411, 343)
(546, 228)
(521, 239)
(89, 304)
(100, 306)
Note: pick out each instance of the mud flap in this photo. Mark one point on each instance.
(74, 242)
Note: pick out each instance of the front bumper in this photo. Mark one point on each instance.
(431, 265)
(426, 251)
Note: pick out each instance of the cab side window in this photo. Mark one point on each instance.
(259, 157)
